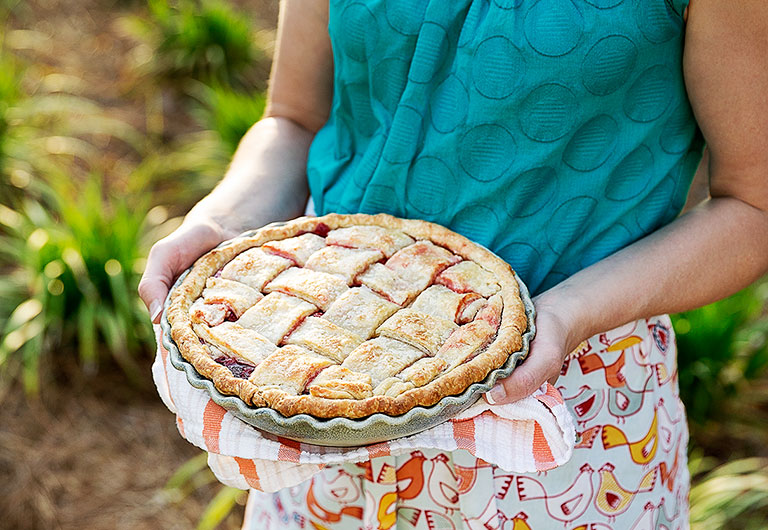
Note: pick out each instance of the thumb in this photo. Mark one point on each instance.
(154, 284)
(541, 365)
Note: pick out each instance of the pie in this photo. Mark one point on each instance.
(347, 315)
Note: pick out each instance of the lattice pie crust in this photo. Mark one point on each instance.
(347, 315)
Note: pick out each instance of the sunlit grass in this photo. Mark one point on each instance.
(204, 40)
(73, 261)
(721, 347)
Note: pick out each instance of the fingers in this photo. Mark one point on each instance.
(543, 363)
(156, 281)
(168, 258)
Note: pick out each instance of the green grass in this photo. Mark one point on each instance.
(229, 113)
(72, 261)
(721, 348)
(204, 40)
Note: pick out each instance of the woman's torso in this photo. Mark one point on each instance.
(554, 132)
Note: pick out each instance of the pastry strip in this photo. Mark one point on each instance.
(337, 382)
(289, 369)
(380, 358)
(420, 330)
(465, 342)
(325, 338)
(420, 263)
(235, 295)
(255, 268)
(276, 315)
(298, 249)
(342, 261)
(237, 341)
(441, 302)
(318, 288)
(211, 314)
(386, 240)
(468, 276)
(360, 311)
(388, 284)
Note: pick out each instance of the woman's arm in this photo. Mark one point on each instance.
(266, 180)
(710, 252)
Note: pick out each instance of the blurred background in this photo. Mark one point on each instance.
(116, 116)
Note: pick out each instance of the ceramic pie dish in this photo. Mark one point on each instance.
(347, 330)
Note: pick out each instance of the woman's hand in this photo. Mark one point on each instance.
(555, 338)
(170, 256)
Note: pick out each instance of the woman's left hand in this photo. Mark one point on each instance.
(555, 337)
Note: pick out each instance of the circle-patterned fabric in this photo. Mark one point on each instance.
(555, 132)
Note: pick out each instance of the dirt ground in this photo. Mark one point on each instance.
(95, 455)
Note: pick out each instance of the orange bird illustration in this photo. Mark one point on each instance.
(565, 506)
(443, 483)
(643, 450)
(367, 468)
(327, 515)
(613, 499)
(587, 438)
(410, 476)
(468, 475)
(614, 376)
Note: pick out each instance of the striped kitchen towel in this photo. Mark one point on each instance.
(534, 434)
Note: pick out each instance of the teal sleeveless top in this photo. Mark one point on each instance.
(554, 132)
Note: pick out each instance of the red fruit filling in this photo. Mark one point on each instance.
(322, 229)
(238, 369)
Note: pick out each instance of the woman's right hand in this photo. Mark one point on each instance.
(171, 256)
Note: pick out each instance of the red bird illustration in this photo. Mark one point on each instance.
(667, 424)
(565, 506)
(410, 476)
(442, 483)
(613, 499)
(643, 450)
(586, 403)
(501, 484)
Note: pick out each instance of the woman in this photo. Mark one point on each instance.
(561, 135)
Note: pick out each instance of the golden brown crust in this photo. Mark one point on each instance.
(508, 338)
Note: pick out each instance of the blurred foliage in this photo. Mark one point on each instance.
(722, 347)
(229, 113)
(193, 475)
(204, 40)
(73, 261)
(733, 495)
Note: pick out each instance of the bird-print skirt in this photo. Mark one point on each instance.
(628, 470)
